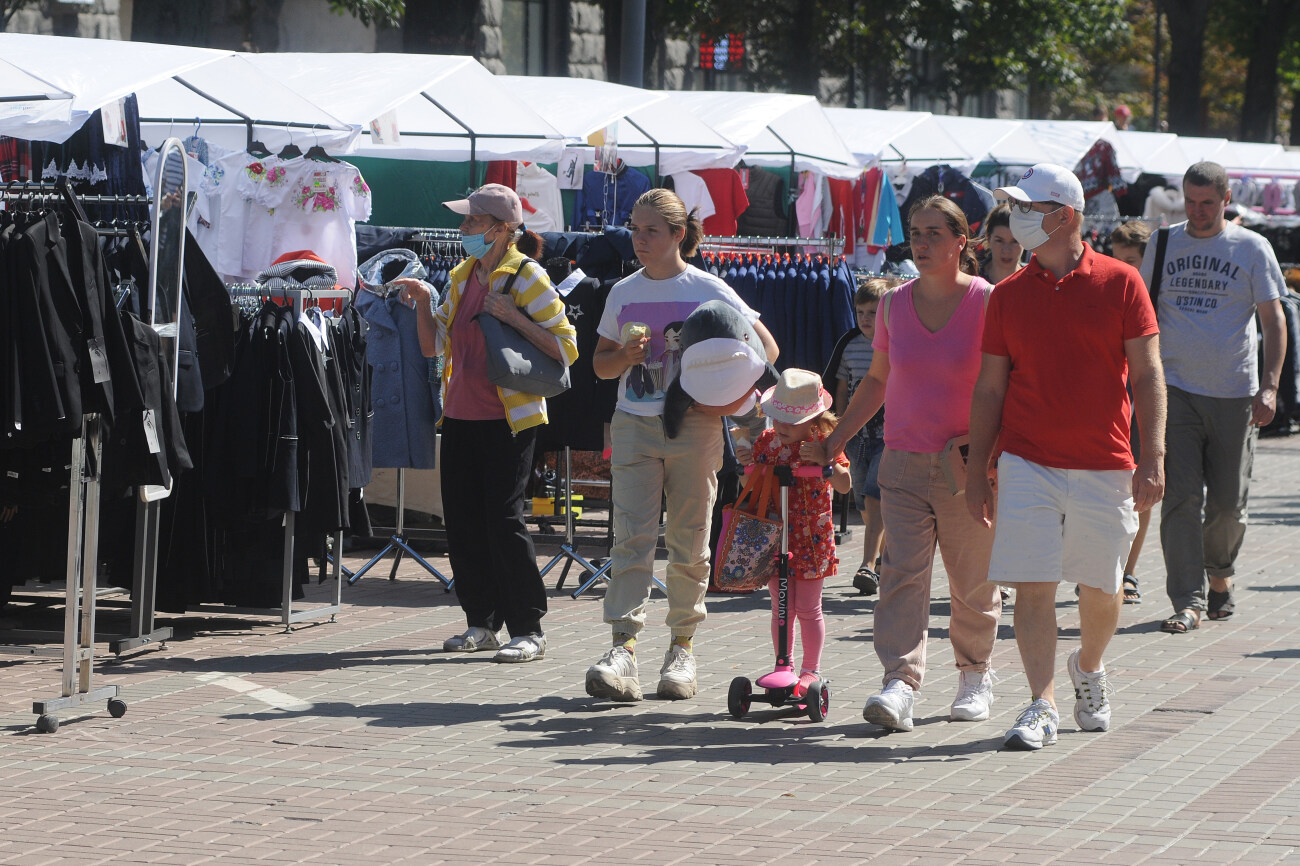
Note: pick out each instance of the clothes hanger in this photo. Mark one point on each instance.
(290, 150)
(257, 149)
(316, 152)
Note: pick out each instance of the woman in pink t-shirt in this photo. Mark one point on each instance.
(927, 357)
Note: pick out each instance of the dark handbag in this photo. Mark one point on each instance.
(515, 363)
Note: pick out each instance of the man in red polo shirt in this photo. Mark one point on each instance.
(1061, 339)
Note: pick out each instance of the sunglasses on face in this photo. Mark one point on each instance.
(1028, 206)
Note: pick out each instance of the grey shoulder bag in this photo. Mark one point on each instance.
(515, 363)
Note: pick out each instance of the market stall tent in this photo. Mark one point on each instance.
(447, 108)
(177, 89)
(1153, 153)
(654, 129)
(778, 130)
(915, 137)
(30, 106)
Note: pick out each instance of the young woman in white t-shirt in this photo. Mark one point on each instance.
(646, 465)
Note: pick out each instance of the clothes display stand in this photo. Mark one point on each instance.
(78, 651)
(828, 246)
(569, 549)
(398, 542)
(298, 300)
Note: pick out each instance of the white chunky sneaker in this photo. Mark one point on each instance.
(615, 676)
(677, 676)
(1036, 727)
(525, 648)
(974, 697)
(892, 708)
(1091, 706)
(475, 639)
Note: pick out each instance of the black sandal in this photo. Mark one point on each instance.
(1132, 595)
(866, 581)
(1181, 623)
(1220, 605)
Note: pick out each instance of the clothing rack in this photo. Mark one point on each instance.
(78, 651)
(297, 299)
(829, 246)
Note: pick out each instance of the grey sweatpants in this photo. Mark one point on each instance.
(1209, 451)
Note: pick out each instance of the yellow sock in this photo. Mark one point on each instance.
(684, 641)
(626, 641)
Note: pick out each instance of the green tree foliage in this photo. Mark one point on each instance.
(383, 12)
(945, 49)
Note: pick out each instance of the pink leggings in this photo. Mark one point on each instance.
(805, 604)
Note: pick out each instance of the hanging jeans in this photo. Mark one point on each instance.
(484, 475)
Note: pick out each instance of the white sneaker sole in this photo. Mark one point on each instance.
(671, 690)
(962, 715)
(622, 689)
(879, 714)
(514, 656)
(1016, 743)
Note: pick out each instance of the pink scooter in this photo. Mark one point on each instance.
(779, 686)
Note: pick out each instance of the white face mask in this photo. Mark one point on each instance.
(1027, 229)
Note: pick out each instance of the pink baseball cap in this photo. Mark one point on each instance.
(493, 199)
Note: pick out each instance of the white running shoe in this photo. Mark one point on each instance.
(1036, 727)
(677, 676)
(1091, 706)
(525, 648)
(974, 697)
(615, 676)
(892, 708)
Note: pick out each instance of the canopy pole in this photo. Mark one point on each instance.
(248, 121)
(653, 141)
(473, 139)
(632, 46)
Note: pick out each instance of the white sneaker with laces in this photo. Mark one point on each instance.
(1091, 706)
(892, 708)
(475, 639)
(677, 676)
(615, 676)
(1036, 727)
(525, 648)
(974, 697)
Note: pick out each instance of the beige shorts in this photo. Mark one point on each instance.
(1054, 525)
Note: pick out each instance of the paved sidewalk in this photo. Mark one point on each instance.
(359, 742)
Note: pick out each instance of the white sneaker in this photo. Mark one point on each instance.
(1091, 706)
(1036, 727)
(614, 676)
(892, 708)
(974, 697)
(475, 639)
(677, 676)
(525, 648)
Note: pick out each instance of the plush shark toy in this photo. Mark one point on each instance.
(723, 366)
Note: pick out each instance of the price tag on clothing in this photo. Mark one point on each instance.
(151, 431)
(113, 116)
(98, 359)
(384, 129)
(570, 169)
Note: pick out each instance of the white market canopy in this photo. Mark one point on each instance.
(1153, 153)
(174, 85)
(448, 108)
(778, 130)
(1003, 142)
(914, 137)
(654, 129)
(29, 104)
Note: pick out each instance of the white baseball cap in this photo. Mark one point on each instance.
(1046, 183)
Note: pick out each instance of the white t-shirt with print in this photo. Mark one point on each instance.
(662, 305)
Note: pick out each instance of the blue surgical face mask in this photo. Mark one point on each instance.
(476, 246)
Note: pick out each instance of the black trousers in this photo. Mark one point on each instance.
(484, 475)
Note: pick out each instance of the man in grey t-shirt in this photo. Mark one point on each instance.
(1215, 277)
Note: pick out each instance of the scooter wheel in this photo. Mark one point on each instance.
(739, 697)
(819, 700)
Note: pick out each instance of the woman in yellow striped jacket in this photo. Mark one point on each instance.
(488, 432)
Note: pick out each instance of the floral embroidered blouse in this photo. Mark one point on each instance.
(812, 524)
